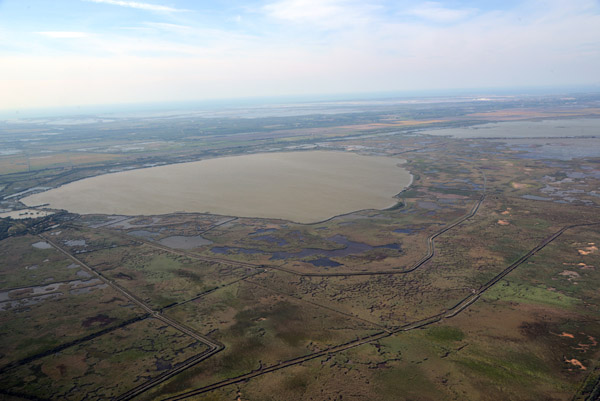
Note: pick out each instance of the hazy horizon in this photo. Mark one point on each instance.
(103, 52)
(298, 101)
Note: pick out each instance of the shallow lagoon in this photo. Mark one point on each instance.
(299, 186)
(525, 129)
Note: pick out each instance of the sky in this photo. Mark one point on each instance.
(56, 53)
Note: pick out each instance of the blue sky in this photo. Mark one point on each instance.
(81, 52)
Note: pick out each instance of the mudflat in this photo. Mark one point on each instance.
(299, 186)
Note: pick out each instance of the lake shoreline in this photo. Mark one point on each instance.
(304, 187)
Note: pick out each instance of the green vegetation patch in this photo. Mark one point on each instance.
(445, 333)
(405, 382)
(523, 293)
(515, 366)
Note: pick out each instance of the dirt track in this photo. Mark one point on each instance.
(215, 347)
(447, 314)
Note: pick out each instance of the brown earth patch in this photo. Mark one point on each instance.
(585, 347)
(569, 273)
(535, 329)
(63, 366)
(575, 362)
(123, 276)
(588, 249)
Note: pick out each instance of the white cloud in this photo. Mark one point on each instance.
(64, 34)
(138, 5)
(298, 10)
(175, 28)
(151, 41)
(525, 45)
(326, 13)
(434, 11)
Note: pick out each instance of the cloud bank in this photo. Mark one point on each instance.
(290, 47)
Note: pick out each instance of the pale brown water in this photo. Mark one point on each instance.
(299, 186)
(25, 214)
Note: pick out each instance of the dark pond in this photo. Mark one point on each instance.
(350, 248)
(263, 230)
(404, 230)
(535, 197)
(324, 262)
(162, 364)
(185, 242)
(271, 239)
(227, 250)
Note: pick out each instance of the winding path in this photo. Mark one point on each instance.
(430, 252)
(446, 314)
(214, 346)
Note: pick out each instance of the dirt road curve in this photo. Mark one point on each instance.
(447, 314)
